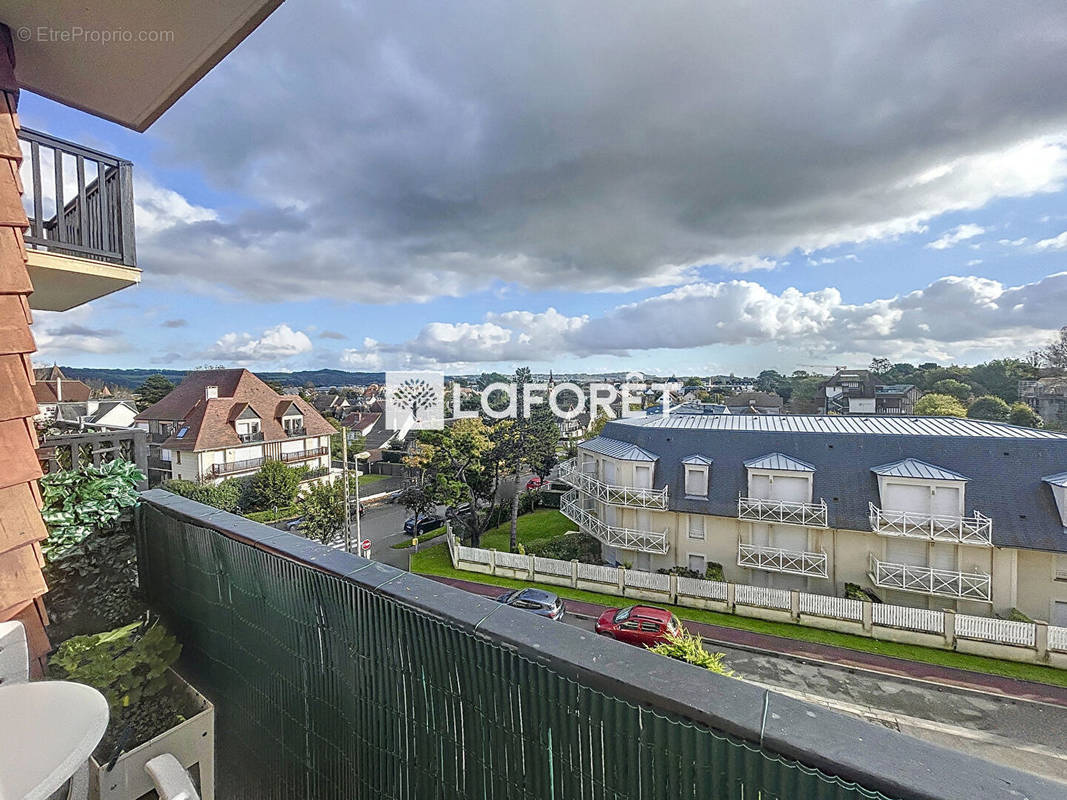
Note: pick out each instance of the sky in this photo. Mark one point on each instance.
(692, 187)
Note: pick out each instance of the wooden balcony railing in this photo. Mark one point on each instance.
(773, 559)
(976, 529)
(782, 512)
(243, 465)
(96, 220)
(70, 446)
(930, 580)
(302, 455)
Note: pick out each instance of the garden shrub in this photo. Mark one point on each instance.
(569, 547)
(690, 649)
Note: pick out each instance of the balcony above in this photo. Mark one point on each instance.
(79, 247)
(773, 559)
(930, 580)
(230, 467)
(976, 529)
(294, 432)
(627, 496)
(611, 535)
(249, 438)
(303, 455)
(782, 512)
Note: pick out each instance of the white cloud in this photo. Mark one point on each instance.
(1013, 242)
(1055, 243)
(955, 236)
(274, 346)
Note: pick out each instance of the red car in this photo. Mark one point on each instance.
(643, 625)
(534, 483)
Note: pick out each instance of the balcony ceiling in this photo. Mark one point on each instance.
(129, 82)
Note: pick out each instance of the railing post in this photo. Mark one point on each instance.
(622, 581)
(731, 597)
(1041, 639)
(129, 248)
(868, 616)
(574, 573)
(672, 589)
(794, 605)
(492, 562)
(949, 617)
(532, 566)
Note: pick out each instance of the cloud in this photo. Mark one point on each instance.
(945, 319)
(175, 323)
(58, 334)
(1013, 242)
(1055, 243)
(274, 346)
(955, 236)
(550, 149)
(332, 335)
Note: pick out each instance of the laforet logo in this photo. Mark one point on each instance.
(414, 400)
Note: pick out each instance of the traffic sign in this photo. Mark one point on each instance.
(365, 544)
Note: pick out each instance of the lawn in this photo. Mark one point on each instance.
(435, 561)
(537, 526)
(424, 538)
(365, 479)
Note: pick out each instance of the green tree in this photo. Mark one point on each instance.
(1001, 377)
(953, 388)
(322, 511)
(154, 389)
(597, 426)
(1022, 414)
(939, 405)
(989, 407)
(806, 394)
(1055, 353)
(419, 501)
(275, 485)
(693, 381)
(275, 385)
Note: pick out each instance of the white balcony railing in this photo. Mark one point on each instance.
(773, 559)
(611, 535)
(930, 580)
(782, 512)
(630, 496)
(976, 529)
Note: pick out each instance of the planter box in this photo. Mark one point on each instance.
(191, 742)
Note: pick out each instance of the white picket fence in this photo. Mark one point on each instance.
(696, 592)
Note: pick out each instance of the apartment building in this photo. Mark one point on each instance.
(1047, 397)
(925, 512)
(226, 423)
(855, 391)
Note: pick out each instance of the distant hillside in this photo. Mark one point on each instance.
(132, 378)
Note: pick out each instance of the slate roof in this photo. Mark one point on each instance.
(779, 461)
(1005, 463)
(613, 448)
(913, 468)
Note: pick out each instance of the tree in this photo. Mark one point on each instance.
(275, 485)
(989, 407)
(939, 405)
(806, 394)
(953, 388)
(275, 385)
(1022, 414)
(1055, 353)
(419, 501)
(693, 382)
(154, 389)
(322, 511)
(1001, 377)
(598, 424)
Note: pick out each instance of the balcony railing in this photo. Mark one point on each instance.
(338, 676)
(930, 580)
(632, 497)
(611, 535)
(248, 438)
(96, 220)
(773, 559)
(291, 432)
(782, 512)
(318, 472)
(70, 446)
(302, 455)
(243, 465)
(976, 529)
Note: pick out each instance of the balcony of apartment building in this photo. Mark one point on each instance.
(71, 446)
(80, 239)
(782, 512)
(304, 455)
(250, 437)
(590, 485)
(775, 559)
(233, 467)
(976, 529)
(340, 677)
(929, 580)
(293, 431)
(572, 505)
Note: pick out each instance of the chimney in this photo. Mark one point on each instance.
(59, 390)
(211, 392)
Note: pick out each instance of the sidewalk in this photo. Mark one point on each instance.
(821, 653)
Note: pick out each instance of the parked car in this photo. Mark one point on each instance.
(534, 483)
(429, 523)
(642, 625)
(540, 602)
(294, 524)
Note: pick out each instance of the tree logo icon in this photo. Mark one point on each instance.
(414, 400)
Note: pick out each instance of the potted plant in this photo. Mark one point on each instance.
(153, 710)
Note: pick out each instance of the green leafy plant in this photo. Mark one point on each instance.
(274, 485)
(128, 665)
(569, 547)
(689, 648)
(79, 502)
(322, 508)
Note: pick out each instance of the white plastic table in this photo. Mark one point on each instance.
(48, 730)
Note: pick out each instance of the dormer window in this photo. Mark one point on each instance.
(917, 487)
(697, 475)
(777, 476)
(292, 418)
(248, 425)
(1058, 483)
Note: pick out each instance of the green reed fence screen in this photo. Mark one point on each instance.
(325, 689)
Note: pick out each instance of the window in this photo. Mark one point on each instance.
(1061, 567)
(696, 481)
(697, 563)
(651, 627)
(696, 526)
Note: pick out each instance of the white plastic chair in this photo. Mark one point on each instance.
(171, 780)
(14, 653)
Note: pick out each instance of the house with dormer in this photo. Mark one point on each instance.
(226, 423)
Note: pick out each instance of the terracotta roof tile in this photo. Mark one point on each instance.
(16, 397)
(47, 392)
(18, 453)
(20, 519)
